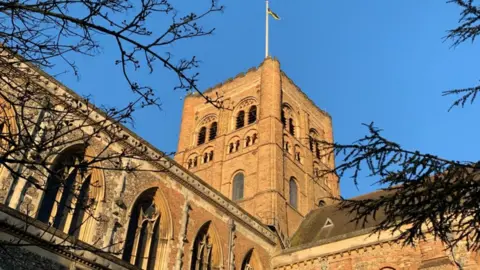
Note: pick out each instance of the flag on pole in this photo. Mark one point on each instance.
(274, 15)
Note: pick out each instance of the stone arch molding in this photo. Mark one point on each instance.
(207, 119)
(205, 122)
(94, 178)
(251, 261)
(206, 249)
(245, 103)
(158, 225)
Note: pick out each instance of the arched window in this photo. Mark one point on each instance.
(201, 135)
(298, 156)
(231, 147)
(293, 193)
(211, 155)
(205, 157)
(291, 127)
(213, 131)
(189, 164)
(250, 261)
(240, 119)
(195, 161)
(254, 138)
(287, 146)
(237, 145)
(321, 203)
(206, 252)
(147, 231)
(283, 119)
(238, 184)
(317, 150)
(247, 141)
(70, 193)
(252, 114)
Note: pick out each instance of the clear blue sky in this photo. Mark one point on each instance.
(361, 61)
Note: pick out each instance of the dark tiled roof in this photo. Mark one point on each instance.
(316, 226)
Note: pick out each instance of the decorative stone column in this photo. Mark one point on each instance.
(182, 238)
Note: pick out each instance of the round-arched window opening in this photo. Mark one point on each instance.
(321, 203)
(238, 186)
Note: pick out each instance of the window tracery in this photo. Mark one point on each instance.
(145, 243)
(71, 193)
(206, 253)
(250, 261)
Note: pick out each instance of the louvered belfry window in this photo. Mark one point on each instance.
(240, 119)
(291, 127)
(252, 115)
(213, 131)
(201, 135)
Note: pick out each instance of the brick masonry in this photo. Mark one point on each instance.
(201, 195)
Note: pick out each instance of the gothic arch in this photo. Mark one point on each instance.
(98, 194)
(7, 125)
(149, 230)
(88, 186)
(207, 250)
(251, 261)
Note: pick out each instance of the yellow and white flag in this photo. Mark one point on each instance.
(273, 14)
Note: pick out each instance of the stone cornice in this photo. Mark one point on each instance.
(152, 154)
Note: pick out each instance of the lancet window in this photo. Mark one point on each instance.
(293, 196)
(238, 186)
(71, 193)
(206, 253)
(144, 245)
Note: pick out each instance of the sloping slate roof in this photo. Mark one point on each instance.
(313, 228)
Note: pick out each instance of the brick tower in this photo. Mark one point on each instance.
(258, 150)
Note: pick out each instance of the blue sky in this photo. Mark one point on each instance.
(361, 61)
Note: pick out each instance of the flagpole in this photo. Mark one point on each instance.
(266, 28)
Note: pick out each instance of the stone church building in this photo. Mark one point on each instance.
(243, 191)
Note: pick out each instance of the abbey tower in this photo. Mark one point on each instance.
(246, 195)
(260, 148)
